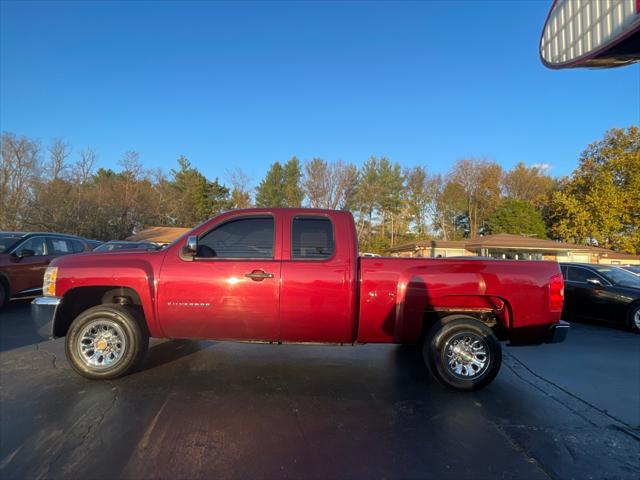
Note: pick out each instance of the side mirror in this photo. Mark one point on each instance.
(191, 247)
(594, 281)
(25, 253)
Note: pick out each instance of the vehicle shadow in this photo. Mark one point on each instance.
(162, 352)
(16, 328)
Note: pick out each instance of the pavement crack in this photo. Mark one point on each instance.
(622, 425)
(522, 450)
(54, 358)
(90, 428)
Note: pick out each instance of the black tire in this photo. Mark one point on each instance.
(442, 340)
(122, 323)
(4, 295)
(633, 318)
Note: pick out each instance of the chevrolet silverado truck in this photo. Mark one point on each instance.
(294, 276)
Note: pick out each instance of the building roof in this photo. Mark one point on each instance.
(508, 240)
(606, 253)
(427, 244)
(158, 234)
(519, 242)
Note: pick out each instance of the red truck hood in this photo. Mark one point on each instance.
(97, 260)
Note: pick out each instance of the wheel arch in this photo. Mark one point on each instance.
(629, 311)
(77, 300)
(496, 319)
(4, 280)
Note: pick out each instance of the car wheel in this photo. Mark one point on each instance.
(633, 318)
(463, 354)
(105, 342)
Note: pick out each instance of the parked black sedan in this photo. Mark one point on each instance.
(602, 292)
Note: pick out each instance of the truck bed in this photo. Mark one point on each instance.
(397, 293)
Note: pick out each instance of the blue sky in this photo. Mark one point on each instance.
(246, 84)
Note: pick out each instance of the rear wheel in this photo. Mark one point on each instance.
(463, 354)
(633, 319)
(105, 342)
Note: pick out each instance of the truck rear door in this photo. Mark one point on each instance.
(318, 299)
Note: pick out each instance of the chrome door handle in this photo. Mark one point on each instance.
(258, 275)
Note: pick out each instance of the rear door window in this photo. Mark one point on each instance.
(580, 275)
(60, 246)
(311, 238)
(77, 246)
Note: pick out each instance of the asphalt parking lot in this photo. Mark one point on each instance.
(225, 410)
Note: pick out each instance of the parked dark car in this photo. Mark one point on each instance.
(124, 245)
(635, 269)
(93, 243)
(602, 292)
(24, 258)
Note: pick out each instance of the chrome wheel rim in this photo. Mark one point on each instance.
(636, 318)
(467, 355)
(101, 344)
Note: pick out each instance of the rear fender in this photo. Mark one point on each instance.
(424, 298)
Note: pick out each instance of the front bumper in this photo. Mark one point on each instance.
(558, 332)
(43, 314)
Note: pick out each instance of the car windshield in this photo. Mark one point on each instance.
(618, 276)
(8, 241)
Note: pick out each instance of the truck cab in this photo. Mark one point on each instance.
(264, 275)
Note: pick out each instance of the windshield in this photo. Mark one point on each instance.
(618, 276)
(8, 241)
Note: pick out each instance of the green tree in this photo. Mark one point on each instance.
(367, 194)
(270, 193)
(390, 198)
(292, 183)
(281, 187)
(601, 202)
(193, 197)
(417, 197)
(517, 217)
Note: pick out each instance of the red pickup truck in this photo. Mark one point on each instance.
(294, 276)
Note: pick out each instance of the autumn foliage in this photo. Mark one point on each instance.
(55, 189)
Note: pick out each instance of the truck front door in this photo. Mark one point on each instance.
(231, 288)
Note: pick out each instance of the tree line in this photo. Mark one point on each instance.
(52, 188)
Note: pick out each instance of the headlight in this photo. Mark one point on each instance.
(49, 285)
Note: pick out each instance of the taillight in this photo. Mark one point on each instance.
(556, 293)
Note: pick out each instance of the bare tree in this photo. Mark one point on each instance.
(84, 167)
(329, 185)
(19, 169)
(480, 183)
(241, 191)
(59, 151)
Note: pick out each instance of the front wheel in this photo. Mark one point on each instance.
(463, 354)
(105, 342)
